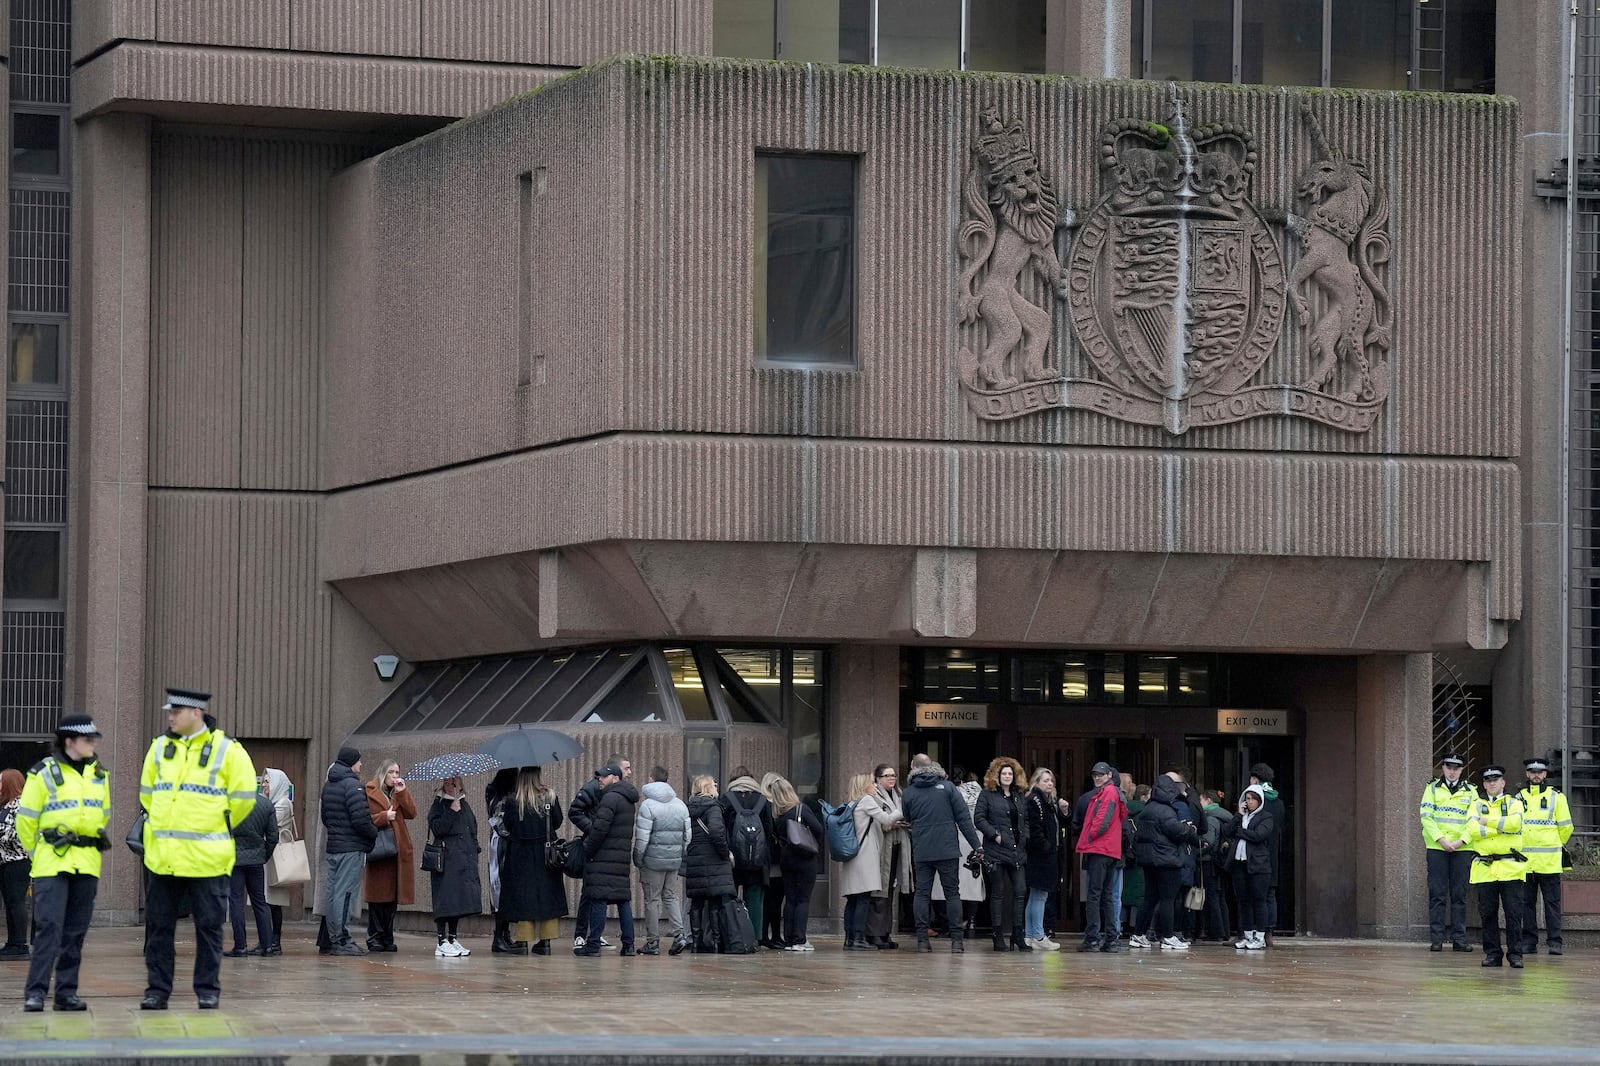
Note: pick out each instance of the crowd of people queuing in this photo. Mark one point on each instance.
(734, 869)
(1161, 865)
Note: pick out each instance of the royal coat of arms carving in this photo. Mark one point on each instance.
(1175, 283)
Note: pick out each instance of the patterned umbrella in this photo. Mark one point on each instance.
(455, 764)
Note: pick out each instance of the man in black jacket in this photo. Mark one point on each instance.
(608, 859)
(1261, 774)
(937, 812)
(580, 812)
(347, 825)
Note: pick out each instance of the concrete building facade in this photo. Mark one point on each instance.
(806, 410)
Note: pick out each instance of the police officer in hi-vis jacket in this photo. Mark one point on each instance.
(61, 821)
(197, 784)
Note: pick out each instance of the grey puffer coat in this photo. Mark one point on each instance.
(661, 829)
(608, 846)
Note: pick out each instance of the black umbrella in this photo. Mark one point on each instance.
(530, 747)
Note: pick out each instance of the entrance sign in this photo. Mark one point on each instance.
(1273, 723)
(952, 716)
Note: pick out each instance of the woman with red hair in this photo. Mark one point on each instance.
(13, 869)
(1002, 821)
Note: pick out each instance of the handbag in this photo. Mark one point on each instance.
(433, 855)
(555, 849)
(385, 848)
(289, 865)
(1195, 899)
(798, 837)
(135, 839)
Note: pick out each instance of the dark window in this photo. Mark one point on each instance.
(33, 564)
(1191, 40)
(689, 685)
(1280, 42)
(920, 33)
(35, 144)
(1007, 36)
(701, 755)
(805, 259)
(636, 699)
(855, 31)
(955, 674)
(1370, 44)
(35, 354)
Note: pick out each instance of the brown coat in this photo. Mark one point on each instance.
(391, 880)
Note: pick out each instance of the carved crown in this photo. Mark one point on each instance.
(1001, 143)
(1167, 171)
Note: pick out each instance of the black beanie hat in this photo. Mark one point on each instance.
(349, 756)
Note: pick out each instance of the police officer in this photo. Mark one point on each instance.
(61, 820)
(196, 784)
(1444, 815)
(1493, 832)
(1546, 828)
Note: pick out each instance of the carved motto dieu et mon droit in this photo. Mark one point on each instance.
(1174, 282)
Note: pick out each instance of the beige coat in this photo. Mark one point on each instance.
(867, 871)
(883, 809)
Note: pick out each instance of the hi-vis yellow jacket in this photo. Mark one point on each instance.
(195, 790)
(55, 796)
(1546, 827)
(1494, 831)
(1444, 813)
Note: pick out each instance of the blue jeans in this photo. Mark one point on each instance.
(1034, 925)
(597, 921)
(1116, 893)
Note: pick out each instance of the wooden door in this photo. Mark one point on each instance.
(1064, 756)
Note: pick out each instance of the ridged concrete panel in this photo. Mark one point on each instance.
(760, 748)
(282, 276)
(375, 27)
(235, 23)
(282, 642)
(192, 608)
(235, 608)
(692, 27)
(99, 23)
(586, 31)
(487, 31)
(155, 74)
(196, 308)
(466, 280)
(708, 489)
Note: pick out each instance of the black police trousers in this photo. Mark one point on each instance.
(62, 907)
(208, 896)
(1494, 896)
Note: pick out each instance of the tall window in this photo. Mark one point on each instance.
(1002, 35)
(805, 259)
(1436, 45)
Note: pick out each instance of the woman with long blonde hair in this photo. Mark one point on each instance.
(861, 876)
(532, 896)
(1001, 820)
(772, 924)
(797, 861)
(1043, 849)
(388, 883)
(708, 872)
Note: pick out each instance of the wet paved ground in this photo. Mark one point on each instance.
(1305, 1000)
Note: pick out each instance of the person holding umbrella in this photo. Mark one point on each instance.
(457, 889)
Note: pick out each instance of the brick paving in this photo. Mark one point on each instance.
(1305, 1000)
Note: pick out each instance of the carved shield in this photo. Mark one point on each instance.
(1174, 306)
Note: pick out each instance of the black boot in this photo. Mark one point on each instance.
(1018, 942)
(1000, 943)
(541, 948)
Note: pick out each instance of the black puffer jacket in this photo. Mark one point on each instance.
(256, 836)
(708, 866)
(346, 819)
(580, 812)
(1000, 815)
(608, 846)
(938, 815)
(1161, 833)
(1043, 846)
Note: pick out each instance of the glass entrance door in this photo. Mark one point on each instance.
(1223, 763)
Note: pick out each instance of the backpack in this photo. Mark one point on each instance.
(1130, 837)
(749, 845)
(840, 822)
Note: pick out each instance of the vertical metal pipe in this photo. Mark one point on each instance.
(1568, 262)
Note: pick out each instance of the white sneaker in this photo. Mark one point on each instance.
(604, 943)
(1175, 943)
(805, 945)
(1259, 943)
(446, 950)
(1249, 938)
(462, 951)
(1048, 939)
(578, 942)
(1138, 940)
